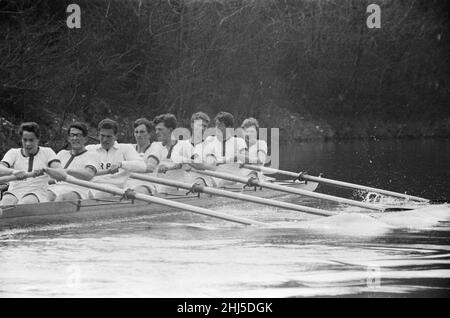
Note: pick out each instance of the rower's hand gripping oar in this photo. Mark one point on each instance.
(305, 176)
(152, 199)
(12, 177)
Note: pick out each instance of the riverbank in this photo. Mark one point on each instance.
(311, 68)
(293, 128)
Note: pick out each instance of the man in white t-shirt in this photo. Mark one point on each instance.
(223, 152)
(257, 148)
(199, 125)
(145, 134)
(199, 133)
(256, 152)
(77, 162)
(224, 147)
(30, 158)
(168, 154)
(116, 160)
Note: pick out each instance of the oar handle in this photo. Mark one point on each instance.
(106, 172)
(14, 178)
(102, 173)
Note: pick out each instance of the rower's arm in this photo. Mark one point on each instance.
(172, 165)
(4, 170)
(152, 163)
(7, 163)
(202, 166)
(53, 160)
(133, 162)
(86, 173)
(262, 152)
(242, 150)
(56, 164)
(134, 165)
(210, 163)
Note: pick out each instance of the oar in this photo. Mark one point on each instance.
(255, 182)
(106, 171)
(334, 182)
(14, 178)
(160, 201)
(197, 188)
(102, 173)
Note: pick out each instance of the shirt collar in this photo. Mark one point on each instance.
(23, 154)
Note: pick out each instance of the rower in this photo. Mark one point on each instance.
(256, 152)
(199, 126)
(77, 162)
(256, 148)
(168, 154)
(117, 160)
(144, 133)
(31, 157)
(223, 151)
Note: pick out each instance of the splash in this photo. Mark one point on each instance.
(376, 198)
(422, 218)
(347, 224)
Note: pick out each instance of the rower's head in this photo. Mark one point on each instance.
(165, 125)
(222, 121)
(30, 133)
(144, 131)
(77, 133)
(107, 131)
(250, 127)
(199, 124)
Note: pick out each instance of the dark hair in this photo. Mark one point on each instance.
(200, 115)
(80, 126)
(225, 118)
(144, 121)
(30, 127)
(250, 122)
(109, 124)
(169, 120)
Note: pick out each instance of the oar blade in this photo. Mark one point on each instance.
(335, 183)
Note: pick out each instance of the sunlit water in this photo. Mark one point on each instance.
(355, 253)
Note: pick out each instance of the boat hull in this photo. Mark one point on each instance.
(31, 215)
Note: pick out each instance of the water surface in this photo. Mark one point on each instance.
(181, 255)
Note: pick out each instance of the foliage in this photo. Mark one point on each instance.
(314, 60)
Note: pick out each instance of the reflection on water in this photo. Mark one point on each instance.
(181, 255)
(138, 258)
(418, 167)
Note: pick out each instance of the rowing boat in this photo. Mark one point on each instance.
(30, 215)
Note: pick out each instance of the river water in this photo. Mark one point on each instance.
(180, 255)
